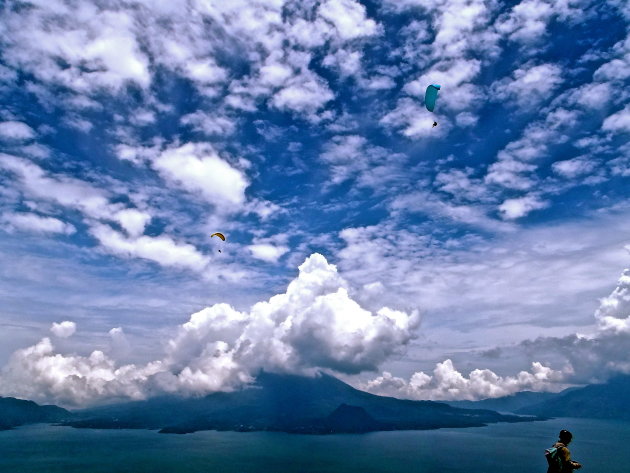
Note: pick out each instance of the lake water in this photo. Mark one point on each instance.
(598, 444)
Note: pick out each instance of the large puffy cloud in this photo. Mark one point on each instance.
(314, 325)
(38, 373)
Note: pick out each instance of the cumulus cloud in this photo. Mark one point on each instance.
(447, 384)
(314, 325)
(64, 329)
(527, 22)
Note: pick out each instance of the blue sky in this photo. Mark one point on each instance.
(417, 261)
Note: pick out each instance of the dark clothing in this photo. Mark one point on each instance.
(567, 465)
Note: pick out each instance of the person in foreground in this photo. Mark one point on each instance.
(559, 456)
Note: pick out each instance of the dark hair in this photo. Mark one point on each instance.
(565, 435)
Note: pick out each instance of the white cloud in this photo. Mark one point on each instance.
(198, 169)
(354, 157)
(65, 191)
(521, 206)
(594, 95)
(96, 206)
(435, 207)
(379, 83)
(448, 384)
(120, 345)
(618, 122)
(38, 373)
(305, 94)
(613, 313)
(348, 63)
(516, 162)
(529, 85)
(572, 168)
(97, 48)
(267, 251)
(161, 249)
(349, 18)
(454, 76)
(64, 329)
(413, 120)
(503, 280)
(36, 223)
(210, 124)
(314, 325)
(618, 68)
(527, 21)
(462, 34)
(69, 192)
(133, 221)
(13, 130)
(460, 184)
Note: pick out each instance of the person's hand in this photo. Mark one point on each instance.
(577, 466)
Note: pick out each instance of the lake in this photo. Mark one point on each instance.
(598, 444)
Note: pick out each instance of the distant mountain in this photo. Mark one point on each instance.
(322, 404)
(510, 403)
(606, 401)
(15, 412)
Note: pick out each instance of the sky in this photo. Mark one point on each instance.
(481, 257)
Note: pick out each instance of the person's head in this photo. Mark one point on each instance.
(565, 436)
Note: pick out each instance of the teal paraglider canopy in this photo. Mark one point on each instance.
(431, 96)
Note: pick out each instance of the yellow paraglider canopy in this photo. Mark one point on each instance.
(220, 235)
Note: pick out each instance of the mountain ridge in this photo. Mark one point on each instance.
(287, 403)
(15, 412)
